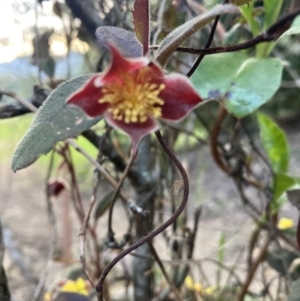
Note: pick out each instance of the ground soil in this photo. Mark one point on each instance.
(27, 233)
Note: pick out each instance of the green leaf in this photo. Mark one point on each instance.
(215, 73)
(272, 11)
(103, 204)
(55, 121)
(254, 84)
(274, 142)
(183, 32)
(282, 183)
(239, 2)
(248, 14)
(294, 195)
(280, 259)
(245, 84)
(294, 29)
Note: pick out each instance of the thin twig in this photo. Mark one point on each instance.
(118, 188)
(20, 100)
(99, 286)
(160, 264)
(209, 41)
(253, 269)
(84, 227)
(273, 33)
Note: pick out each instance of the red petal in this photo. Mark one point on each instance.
(120, 65)
(87, 97)
(136, 131)
(179, 97)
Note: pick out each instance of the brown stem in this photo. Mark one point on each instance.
(271, 34)
(221, 114)
(124, 175)
(209, 41)
(172, 219)
(160, 264)
(253, 269)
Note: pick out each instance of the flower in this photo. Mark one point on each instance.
(132, 93)
(56, 187)
(285, 223)
(79, 286)
(197, 287)
(47, 296)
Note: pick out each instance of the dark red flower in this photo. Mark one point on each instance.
(132, 93)
(55, 188)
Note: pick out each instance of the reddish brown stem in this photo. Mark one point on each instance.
(172, 219)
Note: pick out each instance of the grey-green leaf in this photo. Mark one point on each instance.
(103, 204)
(126, 41)
(274, 142)
(255, 83)
(55, 121)
(295, 291)
(245, 84)
(183, 32)
(216, 72)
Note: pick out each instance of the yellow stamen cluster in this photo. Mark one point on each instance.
(134, 97)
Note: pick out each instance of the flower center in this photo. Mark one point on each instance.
(133, 97)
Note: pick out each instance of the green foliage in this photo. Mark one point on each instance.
(272, 11)
(183, 32)
(274, 142)
(54, 122)
(103, 204)
(248, 14)
(282, 182)
(294, 29)
(244, 84)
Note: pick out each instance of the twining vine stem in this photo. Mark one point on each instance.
(118, 188)
(172, 219)
(271, 34)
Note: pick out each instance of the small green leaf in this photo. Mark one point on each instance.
(239, 2)
(274, 142)
(55, 121)
(248, 14)
(294, 196)
(294, 29)
(272, 11)
(103, 204)
(282, 183)
(183, 32)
